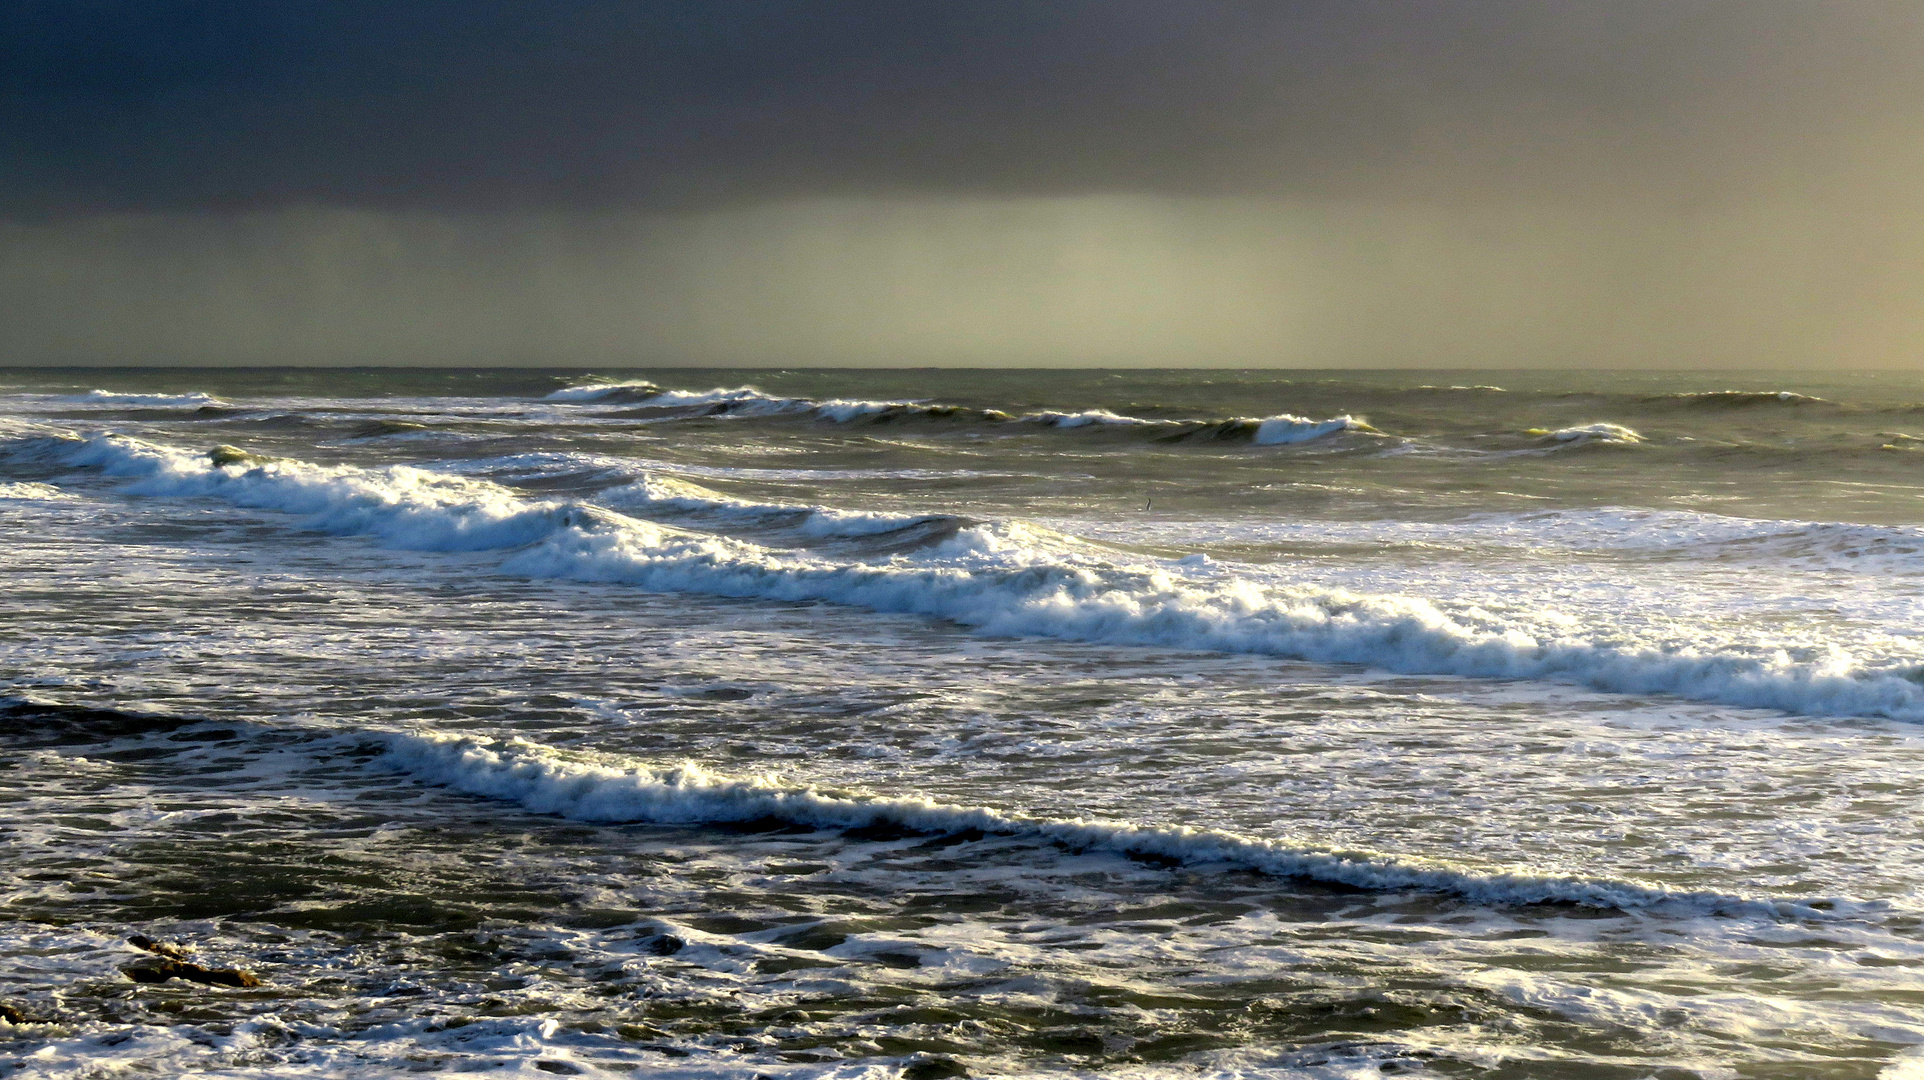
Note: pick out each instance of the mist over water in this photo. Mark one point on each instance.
(1684, 184)
(903, 722)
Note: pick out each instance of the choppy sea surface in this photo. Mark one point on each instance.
(937, 723)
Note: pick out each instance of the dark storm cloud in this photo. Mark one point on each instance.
(1164, 182)
(482, 104)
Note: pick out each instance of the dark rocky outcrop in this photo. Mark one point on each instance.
(664, 944)
(171, 962)
(224, 454)
(932, 1067)
(159, 971)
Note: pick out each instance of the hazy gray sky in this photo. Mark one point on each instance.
(1684, 183)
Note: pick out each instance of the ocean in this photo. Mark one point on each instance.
(929, 723)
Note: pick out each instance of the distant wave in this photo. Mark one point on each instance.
(1278, 430)
(194, 400)
(606, 391)
(996, 578)
(1735, 399)
(745, 401)
(740, 401)
(604, 788)
(1092, 416)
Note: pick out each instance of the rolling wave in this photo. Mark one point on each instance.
(1001, 579)
(1278, 430)
(1735, 399)
(606, 788)
(656, 497)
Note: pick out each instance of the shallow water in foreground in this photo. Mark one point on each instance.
(921, 723)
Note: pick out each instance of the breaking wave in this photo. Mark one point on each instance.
(1001, 579)
(1284, 428)
(605, 788)
(1093, 416)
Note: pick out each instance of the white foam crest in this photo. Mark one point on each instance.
(606, 788)
(842, 410)
(1598, 432)
(31, 492)
(596, 391)
(1090, 416)
(1002, 580)
(1285, 428)
(405, 507)
(747, 398)
(1049, 597)
(192, 400)
(749, 401)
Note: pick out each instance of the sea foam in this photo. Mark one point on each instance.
(993, 578)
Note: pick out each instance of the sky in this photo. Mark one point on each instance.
(1322, 183)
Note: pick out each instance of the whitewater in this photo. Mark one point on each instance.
(931, 724)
